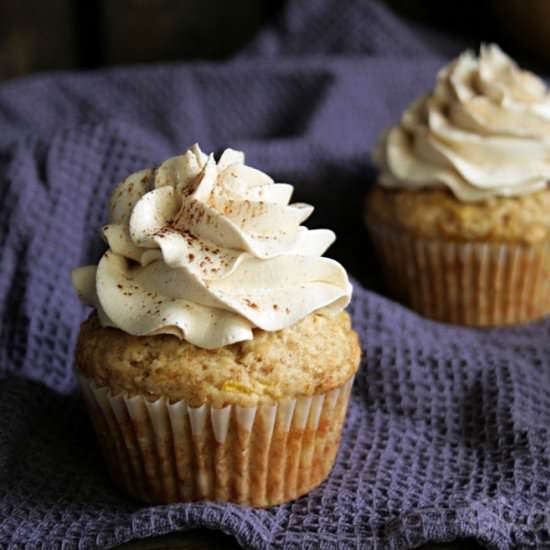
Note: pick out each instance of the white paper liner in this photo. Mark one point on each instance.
(260, 456)
(476, 284)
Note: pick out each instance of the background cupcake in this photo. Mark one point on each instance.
(460, 214)
(219, 363)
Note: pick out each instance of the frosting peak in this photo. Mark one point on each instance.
(484, 131)
(207, 251)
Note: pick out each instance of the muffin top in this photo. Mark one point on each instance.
(209, 251)
(313, 356)
(435, 213)
(483, 132)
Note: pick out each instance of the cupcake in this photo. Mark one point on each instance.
(460, 213)
(218, 361)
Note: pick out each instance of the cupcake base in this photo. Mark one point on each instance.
(475, 284)
(161, 452)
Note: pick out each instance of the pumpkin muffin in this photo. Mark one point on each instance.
(219, 361)
(460, 214)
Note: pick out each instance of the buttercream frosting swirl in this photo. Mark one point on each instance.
(208, 251)
(484, 131)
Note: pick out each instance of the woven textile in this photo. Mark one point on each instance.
(448, 429)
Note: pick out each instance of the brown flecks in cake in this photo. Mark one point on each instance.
(310, 369)
(191, 257)
(275, 307)
(266, 369)
(250, 303)
(119, 286)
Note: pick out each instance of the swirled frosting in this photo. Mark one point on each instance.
(484, 131)
(208, 251)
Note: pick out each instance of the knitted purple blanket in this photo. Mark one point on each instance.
(447, 434)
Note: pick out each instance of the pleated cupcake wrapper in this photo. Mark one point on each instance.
(476, 284)
(164, 452)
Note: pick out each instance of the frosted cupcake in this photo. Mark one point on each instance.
(460, 214)
(219, 360)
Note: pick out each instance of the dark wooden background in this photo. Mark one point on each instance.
(40, 35)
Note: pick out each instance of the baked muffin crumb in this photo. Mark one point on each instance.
(436, 214)
(319, 353)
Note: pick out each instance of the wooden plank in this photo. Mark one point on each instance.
(205, 539)
(148, 30)
(198, 539)
(36, 36)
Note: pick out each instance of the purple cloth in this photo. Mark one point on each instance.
(448, 429)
